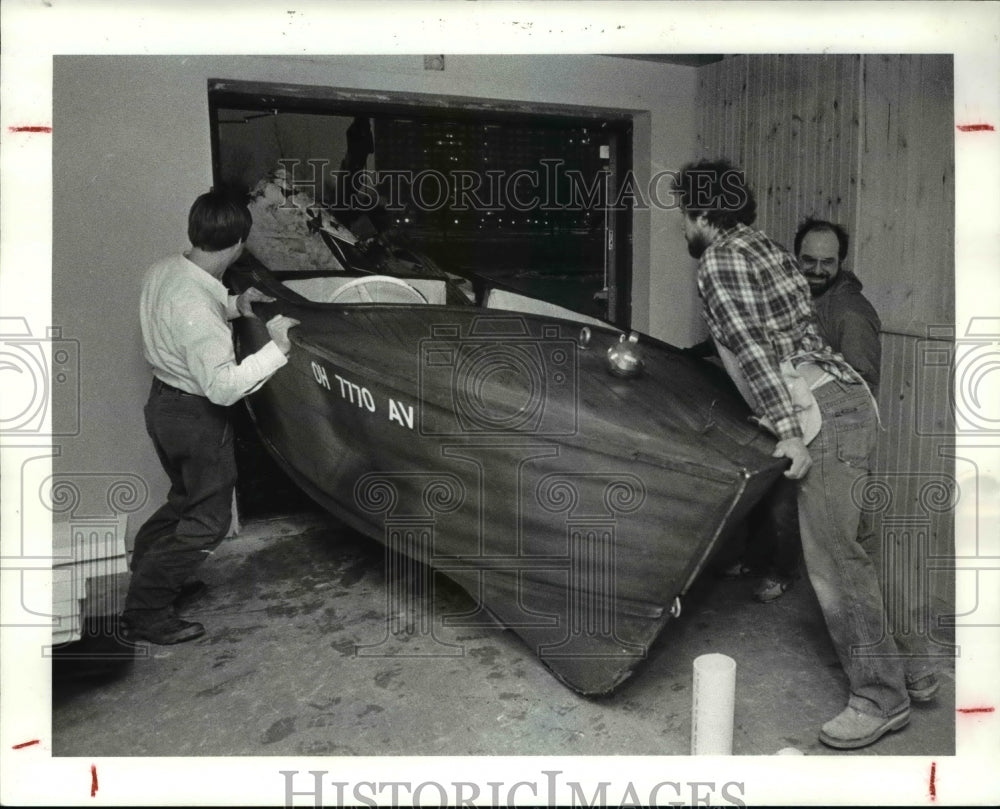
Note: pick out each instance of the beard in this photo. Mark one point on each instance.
(697, 245)
(818, 284)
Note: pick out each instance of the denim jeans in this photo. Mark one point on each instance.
(910, 605)
(842, 574)
(194, 442)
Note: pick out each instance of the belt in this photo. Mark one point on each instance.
(162, 387)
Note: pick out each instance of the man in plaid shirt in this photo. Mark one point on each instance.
(758, 310)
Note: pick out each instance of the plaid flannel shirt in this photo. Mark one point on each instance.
(757, 304)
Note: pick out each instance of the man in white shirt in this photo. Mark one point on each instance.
(184, 313)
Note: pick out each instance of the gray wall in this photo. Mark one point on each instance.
(131, 151)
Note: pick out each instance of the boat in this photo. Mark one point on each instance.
(572, 479)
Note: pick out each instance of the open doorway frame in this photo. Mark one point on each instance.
(614, 126)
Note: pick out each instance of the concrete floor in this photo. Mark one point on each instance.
(277, 672)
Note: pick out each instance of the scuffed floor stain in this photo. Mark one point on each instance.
(487, 655)
(675, 723)
(325, 705)
(345, 648)
(287, 610)
(331, 622)
(324, 720)
(370, 709)
(464, 638)
(319, 747)
(509, 717)
(354, 573)
(224, 686)
(223, 659)
(281, 729)
(332, 628)
(281, 611)
(294, 565)
(233, 634)
(384, 678)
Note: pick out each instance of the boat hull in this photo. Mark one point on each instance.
(575, 507)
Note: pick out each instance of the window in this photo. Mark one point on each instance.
(514, 194)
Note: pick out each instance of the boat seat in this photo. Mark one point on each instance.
(513, 302)
(369, 289)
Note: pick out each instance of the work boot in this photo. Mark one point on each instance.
(852, 729)
(923, 689)
(771, 588)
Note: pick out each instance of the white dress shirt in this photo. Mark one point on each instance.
(187, 339)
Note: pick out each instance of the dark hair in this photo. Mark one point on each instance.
(811, 224)
(717, 189)
(219, 219)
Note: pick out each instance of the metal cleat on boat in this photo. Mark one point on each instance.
(625, 358)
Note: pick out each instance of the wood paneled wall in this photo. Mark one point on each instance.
(867, 141)
(905, 232)
(791, 122)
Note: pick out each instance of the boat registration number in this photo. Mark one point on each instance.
(359, 395)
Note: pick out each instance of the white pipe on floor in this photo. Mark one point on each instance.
(713, 705)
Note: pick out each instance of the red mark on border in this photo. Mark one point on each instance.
(975, 128)
(933, 782)
(26, 744)
(30, 128)
(975, 710)
(93, 780)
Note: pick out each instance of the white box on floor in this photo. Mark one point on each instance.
(85, 552)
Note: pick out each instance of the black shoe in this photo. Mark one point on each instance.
(733, 570)
(190, 592)
(164, 632)
(771, 588)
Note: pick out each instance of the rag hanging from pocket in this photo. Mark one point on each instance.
(800, 382)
